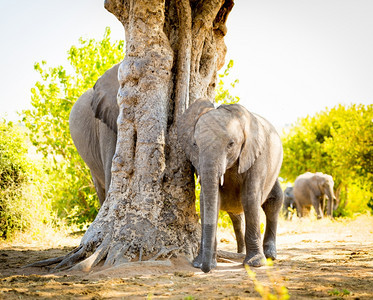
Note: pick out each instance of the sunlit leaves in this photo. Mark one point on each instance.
(15, 174)
(223, 89)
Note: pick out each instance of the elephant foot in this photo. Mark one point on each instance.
(270, 251)
(197, 262)
(258, 260)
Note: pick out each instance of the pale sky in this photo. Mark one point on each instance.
(292, 57)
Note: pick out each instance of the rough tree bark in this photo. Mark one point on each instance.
(173, 51)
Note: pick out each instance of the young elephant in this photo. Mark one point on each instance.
(244, 152)
(289, 201)
(313, 189)
(93, 128)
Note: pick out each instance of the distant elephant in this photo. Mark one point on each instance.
(243, 151)
(314, 189)
(289, 201)
(93, 128)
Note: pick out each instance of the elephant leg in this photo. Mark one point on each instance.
(272, 207)
(251, 199)
(108, 142)
(99, 189)
(285, 210)
(318, 208)
(238, 225)
(254, 249)
(322, 204)
(299, 209)
(331, 207)
(107, 178)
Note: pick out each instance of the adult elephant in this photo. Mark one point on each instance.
(289, 201)
(314, 189)
(93, 128)
(244, 151)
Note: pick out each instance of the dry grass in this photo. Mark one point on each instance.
(43, 237)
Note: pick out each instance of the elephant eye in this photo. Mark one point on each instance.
(230, 145)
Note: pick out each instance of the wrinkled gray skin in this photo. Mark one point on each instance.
(246, 151)
(314, 189)
(289, 201)
(93, 128)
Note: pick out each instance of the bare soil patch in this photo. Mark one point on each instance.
(329, 259)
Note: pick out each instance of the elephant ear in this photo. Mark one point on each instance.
(104, 101)
(187, 123)
(255, 137)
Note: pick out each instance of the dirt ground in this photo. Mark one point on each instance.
(316, 259)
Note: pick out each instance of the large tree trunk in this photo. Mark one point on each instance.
(173, 51)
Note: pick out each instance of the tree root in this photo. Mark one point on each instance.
(230, 255)
(46, 262)
(51, 261)
(164, 251)
(71, 259)
(115, 257)
(92, 261)
(224, 260)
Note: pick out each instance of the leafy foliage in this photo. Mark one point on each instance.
(339, 142)
(21, 177)
(223, 93)
(14, 169)
(53, 96)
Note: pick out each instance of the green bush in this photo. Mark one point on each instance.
(24, 189)
(14, 175)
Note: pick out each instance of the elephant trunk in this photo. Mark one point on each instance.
(209, 216)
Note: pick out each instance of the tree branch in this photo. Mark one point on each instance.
(184, 13)
(205, 13)
(208, 48)
(118, 8)
(202, 23)
(222, 16)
